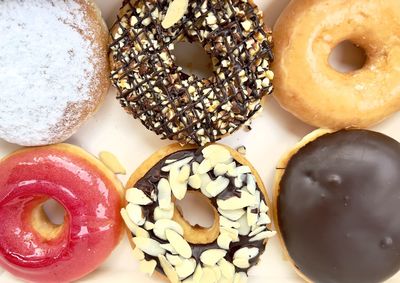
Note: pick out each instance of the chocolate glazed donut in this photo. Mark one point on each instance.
(338, 205)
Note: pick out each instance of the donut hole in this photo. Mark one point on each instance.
(48, 219)
(347, 57)
(193, 59)
(196, 210)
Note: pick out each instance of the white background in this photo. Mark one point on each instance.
(274, 132)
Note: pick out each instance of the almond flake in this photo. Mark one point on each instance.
(147, 267)
(195, 181)
(241, 262)
(251, 184)
(177, 164)
(257, 231)
(251, 217)
(176, 10)
(227, 269)
(220, 169)
(263, 236)
(240, 277)
(135, 213)
(233, 215)
(198, 274)
(224, 240)
(174, 259)
(244, 228)
(212, 256)
(179, 243)
(184, 173)
(208, 275)
(163, 224)
(135, 229)
(160, 213)
(234, 203)
(168, 269)
(186, 268)
(164, 194)
(138, 254)
(233, 233)
(136, 196)
(214, 188)
(148, 246)
(224, 222)
(263, 207)
(204, 167)
(263, 219)
(217, 154)
(178, 188)
(169, 248)
(112, 162)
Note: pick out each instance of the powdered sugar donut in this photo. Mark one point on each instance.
(53, 68)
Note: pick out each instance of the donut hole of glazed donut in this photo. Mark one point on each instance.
(48, 219)
(198, 218)
(193, 59)
(347, 57)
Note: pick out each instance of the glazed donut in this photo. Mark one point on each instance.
(31, 246)
(184, 107)
(337, 201)
(306, 84)
(165, 242)
(53, 68)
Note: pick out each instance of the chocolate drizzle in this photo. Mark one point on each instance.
(339, 207)
(148, 184)
(184, 107)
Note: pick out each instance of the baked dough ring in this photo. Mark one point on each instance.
(308, 87)
(207, 254)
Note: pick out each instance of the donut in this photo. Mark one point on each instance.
(166, 244)
(31, 246)
(53, 68)
(180, 106)
(336, 206)
(307, 85)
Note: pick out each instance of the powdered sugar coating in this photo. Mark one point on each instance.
(45, 69)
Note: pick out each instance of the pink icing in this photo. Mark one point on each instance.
(92, 225)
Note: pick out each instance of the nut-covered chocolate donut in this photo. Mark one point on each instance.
(184, 107)
(338, 206)
(165, 242)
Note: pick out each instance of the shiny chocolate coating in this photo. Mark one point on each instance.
(339, 207)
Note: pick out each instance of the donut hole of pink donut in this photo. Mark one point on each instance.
(34, 248)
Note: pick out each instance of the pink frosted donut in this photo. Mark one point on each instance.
(33, 248)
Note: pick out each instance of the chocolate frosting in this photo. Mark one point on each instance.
(339, 207)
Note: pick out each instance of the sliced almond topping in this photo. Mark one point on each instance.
(240, 277)
(147, 267)
(217, 154)
(205, 180)
(227, 269)
(184, 173)
(204, 167)
(135, 229)
(177, 164)
(168, 269)
(263, 236)
(238, 182)
(234, 203)
(251, 184)
(176, 10)
(224, 240)
(174, 259)
(169, 248)
(179, 243)
(135, 213)
(160, 213)
(220, 169)
(148, 225)
(164, 194)
(186, 268)
(178, 188)
(217, 272)
(241, 262)
(257, 231)
(248, 253)
(212, 256)
(195, 181)
(233, 233)
(164, 224)
(263, 219)
(138, 254)
(208, 275)
(251, 217)
(214, 188)
(233, 215)
(263, 207)
(148, 246)
(224, 222)
(195, 167)
(136, 196)
(198, 274)
(112, 162)
(244, 228)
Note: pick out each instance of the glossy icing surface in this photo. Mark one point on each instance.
(339, 207)
(91, 226)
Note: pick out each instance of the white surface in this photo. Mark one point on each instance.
(274, 132)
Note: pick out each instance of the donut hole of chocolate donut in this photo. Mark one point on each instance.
(198, 218)
(193, 59)
(48, 219)
(347, 57)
